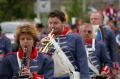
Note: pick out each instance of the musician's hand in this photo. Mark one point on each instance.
(104, 74)
(44, 41)
(26, 72)
(114, 72)
(31, 76)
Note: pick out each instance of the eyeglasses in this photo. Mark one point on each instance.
(87, 31)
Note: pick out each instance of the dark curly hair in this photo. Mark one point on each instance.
(58, 14)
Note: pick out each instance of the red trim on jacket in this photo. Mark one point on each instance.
(11, 53)
(88, 41)
(36, 76)
(115, 66)
(106, 69)
(34, 54)
(65, 31)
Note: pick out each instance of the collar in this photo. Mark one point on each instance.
(88, 41)
(34, 54)
(65, 31)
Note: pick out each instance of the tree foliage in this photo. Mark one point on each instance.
(16, 9)
(75, 10)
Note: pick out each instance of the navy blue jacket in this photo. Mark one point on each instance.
(98, 57)
(43, 65)
(110, 43)
(102, 56)
(72, 45)
(5, 45)
(76, 46)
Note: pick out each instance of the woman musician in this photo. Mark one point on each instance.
(98, 61)
(27, 61)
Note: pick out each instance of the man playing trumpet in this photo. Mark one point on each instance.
(68, 46)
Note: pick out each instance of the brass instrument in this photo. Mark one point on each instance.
(48, 45)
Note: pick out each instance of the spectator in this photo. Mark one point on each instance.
(113, 27)
(40, 28)
(78, 24)
(111, 12)
(5, 45)
(73, 28)
(41, 33)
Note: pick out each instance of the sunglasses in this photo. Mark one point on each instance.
(87, 31)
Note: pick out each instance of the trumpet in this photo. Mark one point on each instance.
(48, 45)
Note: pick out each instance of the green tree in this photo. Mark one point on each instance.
(75, 10)
(16, 9)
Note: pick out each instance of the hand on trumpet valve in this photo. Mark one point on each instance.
(44, 41)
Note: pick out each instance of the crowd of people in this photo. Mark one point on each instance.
(81, 51)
